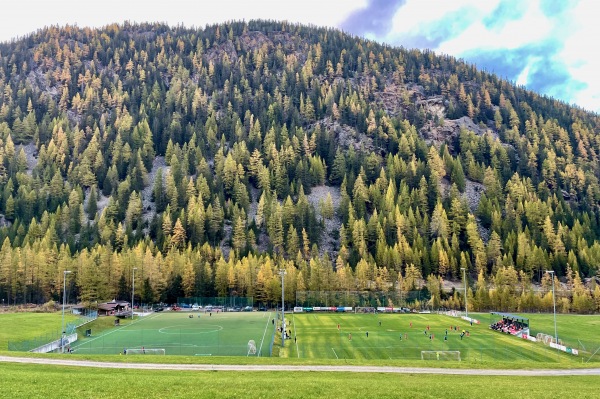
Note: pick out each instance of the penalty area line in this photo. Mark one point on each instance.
(336, 356)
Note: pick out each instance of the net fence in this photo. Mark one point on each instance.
(43, 339)
(364, 298)
(228, 301)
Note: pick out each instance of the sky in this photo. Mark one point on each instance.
(545, 45)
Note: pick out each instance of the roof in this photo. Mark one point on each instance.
(512, 316)
(107, 306)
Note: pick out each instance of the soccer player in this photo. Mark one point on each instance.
(367, 334)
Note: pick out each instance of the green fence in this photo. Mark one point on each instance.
(226, 301)
(362, 298)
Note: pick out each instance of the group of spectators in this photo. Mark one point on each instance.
(508, 326)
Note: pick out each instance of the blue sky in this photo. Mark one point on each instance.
(544, 45)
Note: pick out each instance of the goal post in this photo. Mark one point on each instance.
(440, 355)
(146, 351)
(251, 348)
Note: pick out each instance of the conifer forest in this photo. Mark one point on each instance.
(211, 158)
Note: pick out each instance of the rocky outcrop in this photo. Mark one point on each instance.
(347, 136)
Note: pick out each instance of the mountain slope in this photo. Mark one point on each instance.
(192, 155)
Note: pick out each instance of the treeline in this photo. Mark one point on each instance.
(35, 275)
(187, 142)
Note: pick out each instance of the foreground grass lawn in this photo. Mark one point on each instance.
(33, 381)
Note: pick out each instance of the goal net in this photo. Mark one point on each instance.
(251, 347)
(440, 355)
(146, 351)
(547, 339)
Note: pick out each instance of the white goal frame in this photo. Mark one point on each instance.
(547, 339)
(146, 351)
(440, 355)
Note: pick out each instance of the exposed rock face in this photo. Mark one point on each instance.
(30, 151)
(328, 243)
(449, 131)
(217, 53)
(251, 41)
(347, 136)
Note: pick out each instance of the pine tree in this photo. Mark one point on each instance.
(178, 237)
(92, 204)
(239, 235)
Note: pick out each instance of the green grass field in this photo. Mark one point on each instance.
(317, 336)
(25, 326)
(574, 330)
(35, 381)
(222, 334)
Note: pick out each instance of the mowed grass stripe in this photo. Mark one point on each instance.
(224, 334)
(393, 336)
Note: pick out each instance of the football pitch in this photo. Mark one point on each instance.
(406, 336)
(219, 334)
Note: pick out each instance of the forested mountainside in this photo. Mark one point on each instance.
(210, 158)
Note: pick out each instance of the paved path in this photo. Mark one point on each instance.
(283, 367)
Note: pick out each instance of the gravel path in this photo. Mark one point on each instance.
(345, 369)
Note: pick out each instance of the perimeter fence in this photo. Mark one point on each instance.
(44, 339)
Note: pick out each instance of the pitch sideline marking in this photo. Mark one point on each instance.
(336, 356)
(263, 337)
(295, 334)
(112, 331)
(218, 328)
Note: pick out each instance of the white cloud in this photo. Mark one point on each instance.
(580, 55)
(417, 13)
(532, 27)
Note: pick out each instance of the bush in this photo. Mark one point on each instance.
(48, 307)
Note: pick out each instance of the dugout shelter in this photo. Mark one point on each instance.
(510, 324)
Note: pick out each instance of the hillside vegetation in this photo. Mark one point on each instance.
(192, 155)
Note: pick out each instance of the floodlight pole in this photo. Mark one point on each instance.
(132, 290)
(465, 280)
(551, 272)
(282, 272)
(62, 336)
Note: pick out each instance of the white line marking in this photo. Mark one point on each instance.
(112, 331)
(295, 334)
(336, 356)
(263, 337)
